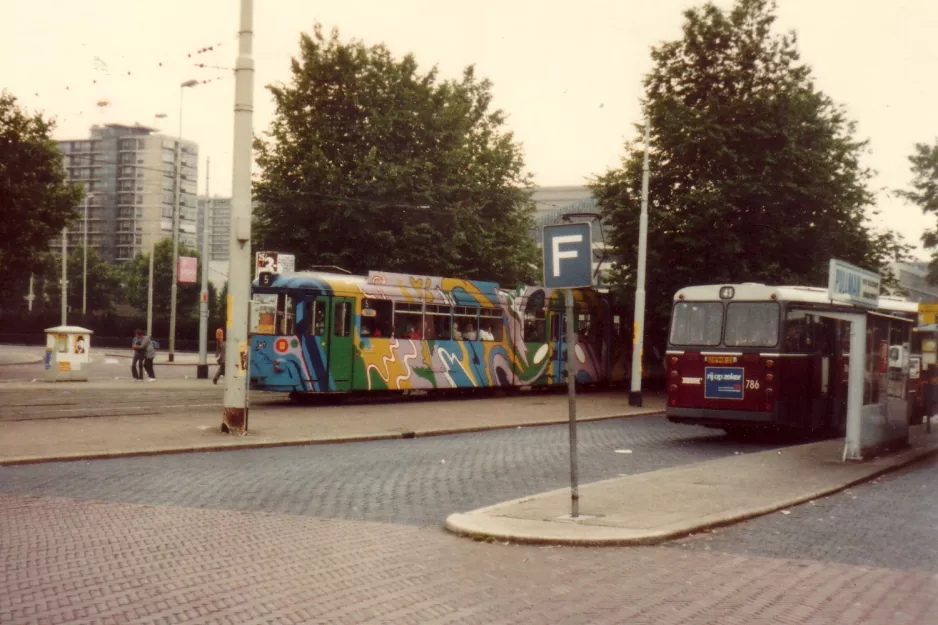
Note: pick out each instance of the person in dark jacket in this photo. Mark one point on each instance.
(219, 354)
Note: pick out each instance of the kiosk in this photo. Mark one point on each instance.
(68, 354)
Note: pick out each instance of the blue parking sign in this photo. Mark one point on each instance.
(724, 382)
(568, 256)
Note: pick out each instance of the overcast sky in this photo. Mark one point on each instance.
(567, 73)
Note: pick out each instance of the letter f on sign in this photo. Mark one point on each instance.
(557, 255)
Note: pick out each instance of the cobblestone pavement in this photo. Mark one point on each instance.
(890, 522)
(419, 481)
(74, 561)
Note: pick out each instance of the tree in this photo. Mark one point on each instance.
(370, 164)
(755, 174)
(36, 199)
(924, 194)
(137, 276)
(103, 282)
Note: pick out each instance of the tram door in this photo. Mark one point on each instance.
(558, 345)
(330, 342)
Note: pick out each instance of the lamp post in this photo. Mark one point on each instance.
(173, 288)
(64, 276)
(84, 262)
(235, 411)
(201, 371)
(638, 340)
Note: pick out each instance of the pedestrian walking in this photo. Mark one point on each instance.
(136, 365)
(219, 354)
(149, 353)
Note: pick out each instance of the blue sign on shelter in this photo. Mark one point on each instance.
(568, 256)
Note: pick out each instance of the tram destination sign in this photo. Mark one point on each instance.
(852, 285)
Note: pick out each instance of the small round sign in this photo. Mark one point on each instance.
(281, 346)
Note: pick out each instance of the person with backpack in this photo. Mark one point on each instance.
(148, 347)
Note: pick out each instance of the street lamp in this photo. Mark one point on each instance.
(638, 339)
(235, 414)
(84, 262)
(172, 298)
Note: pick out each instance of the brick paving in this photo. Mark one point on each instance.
(73, 561)
(890, 522)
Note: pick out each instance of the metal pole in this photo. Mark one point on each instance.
(638, 339)
(64, 276)
(855, 381)
(571, 402)
(150, 291)
(84, 262)
(173, 289)
(32, 295)
(235, 415)
(202, 368)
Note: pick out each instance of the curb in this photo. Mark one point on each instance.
(405, 434)
(466, 524)
(155, 363)
(38, 361)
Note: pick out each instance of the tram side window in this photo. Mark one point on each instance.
(801, 331)
(465, 323)
(436, 322)
(316, 316)
(491, 327)
(584, 327)
(342, 319)
(535, 319)
(535, 326)
(751, 324)
(408, 320)
(376, 318)
(286, 314)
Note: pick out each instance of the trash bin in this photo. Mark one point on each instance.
(68, 354)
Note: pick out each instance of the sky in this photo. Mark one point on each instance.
(568, 74)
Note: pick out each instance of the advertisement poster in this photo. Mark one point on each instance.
(188, 270)
(723, 382)
(242, 364)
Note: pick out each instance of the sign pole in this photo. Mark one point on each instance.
(567, 266)
(571, 401)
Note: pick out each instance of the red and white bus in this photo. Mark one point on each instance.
(749, 355)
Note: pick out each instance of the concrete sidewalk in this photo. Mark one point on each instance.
(190, 421)
(650, 508)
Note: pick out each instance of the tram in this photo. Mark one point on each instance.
(749, 355)
(321, 332)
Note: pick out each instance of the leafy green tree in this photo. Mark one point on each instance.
(755, 174)
(36, 199)
(924, 194)
(103, 282)
(137, 276)
(370, 164)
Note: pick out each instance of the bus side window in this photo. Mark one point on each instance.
(800, 332)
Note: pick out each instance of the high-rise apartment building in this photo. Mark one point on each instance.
(219, 225)
(131, 175)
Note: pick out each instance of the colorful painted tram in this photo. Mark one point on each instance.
(316, 332)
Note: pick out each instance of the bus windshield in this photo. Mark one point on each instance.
(697, 323)
(752, 324)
